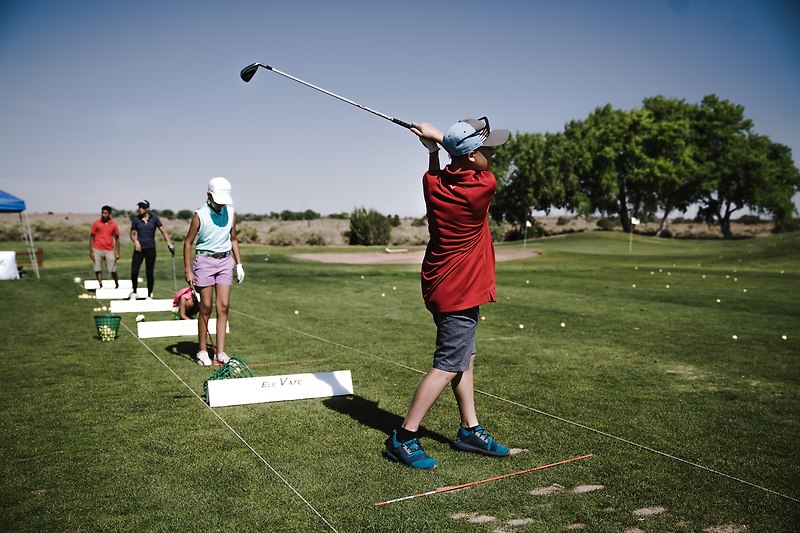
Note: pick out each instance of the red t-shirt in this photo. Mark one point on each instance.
(104, 233)
(458, 269)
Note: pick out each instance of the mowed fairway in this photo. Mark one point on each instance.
(590, 349)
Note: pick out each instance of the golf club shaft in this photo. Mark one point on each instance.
(248, 72)
(174, 275)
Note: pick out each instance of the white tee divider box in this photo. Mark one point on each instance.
(263, 389)
(140, 306)
(92, 284)
(119, 294)
(174, 328)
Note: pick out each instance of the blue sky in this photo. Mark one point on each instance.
(111, 102)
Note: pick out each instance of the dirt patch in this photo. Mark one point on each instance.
(575, 526)
(581, 489)
(544, 491)
(727, 528)
(475, 518)
(401, 258)
(645, 512)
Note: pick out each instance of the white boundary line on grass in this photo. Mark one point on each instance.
(225, 423)
(512, 402)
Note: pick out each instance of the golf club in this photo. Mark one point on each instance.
(174, 275)
(249, 71)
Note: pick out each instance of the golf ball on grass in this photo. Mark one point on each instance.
(563, 325)
(784, 337)
(734, 337)
(522, 326)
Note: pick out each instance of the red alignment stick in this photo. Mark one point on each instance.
(465, 485)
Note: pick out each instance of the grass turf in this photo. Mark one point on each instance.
(645, 374)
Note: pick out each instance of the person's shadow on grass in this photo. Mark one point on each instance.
(185, 349)
(368, 413)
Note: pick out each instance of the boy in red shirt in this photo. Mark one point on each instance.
(104, 245)
(457, 277)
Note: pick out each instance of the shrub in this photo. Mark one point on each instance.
(608, 223)
(12, 232)
(315, 238)
(60, 232)
(749, 219)
(184, 214)
(563, 221)
(247, 234)
(418, 222)
(785, 226)
(167, 213)
(369, 228)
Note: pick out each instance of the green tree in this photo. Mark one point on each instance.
(612, 165)
(670, 175)
(739, 169)
(184, 214)
(534, 173)
(369, 227)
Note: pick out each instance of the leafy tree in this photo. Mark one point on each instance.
(738, 168)
(369, 228)
(671, 182)
(184, 214)
(534, 173)
(612, 172)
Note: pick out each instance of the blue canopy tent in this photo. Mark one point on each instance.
(11, 204)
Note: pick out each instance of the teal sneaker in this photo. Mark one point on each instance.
(409, 453)
(478, 441)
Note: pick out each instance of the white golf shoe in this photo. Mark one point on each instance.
(202, 358)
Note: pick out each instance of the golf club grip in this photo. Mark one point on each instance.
(400, 122)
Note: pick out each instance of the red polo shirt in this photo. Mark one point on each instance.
(458, 269)
(104, 233)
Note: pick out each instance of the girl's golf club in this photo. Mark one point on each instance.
(249, 71)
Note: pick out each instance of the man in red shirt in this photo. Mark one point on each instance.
(457, 277)
(104, 245)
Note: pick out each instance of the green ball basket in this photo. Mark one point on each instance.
(235, 368)
(107, 326)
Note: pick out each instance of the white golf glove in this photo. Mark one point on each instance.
(430, 144)
(239, 272)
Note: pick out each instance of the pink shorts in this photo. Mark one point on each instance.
(209, 271)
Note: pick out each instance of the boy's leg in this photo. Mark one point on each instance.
(428, 391)
(464, 391)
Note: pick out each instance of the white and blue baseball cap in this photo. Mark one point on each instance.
(470, 134)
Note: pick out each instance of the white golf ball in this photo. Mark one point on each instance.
(667, 286)
(297, 312)
(394, 288)
(634, 285)
(383, 294)
(527, 281)
(784, 337)
(483, 318)
(734, 337)
(563, 325)
(521, 326)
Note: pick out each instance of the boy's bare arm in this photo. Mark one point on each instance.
(430, 136)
